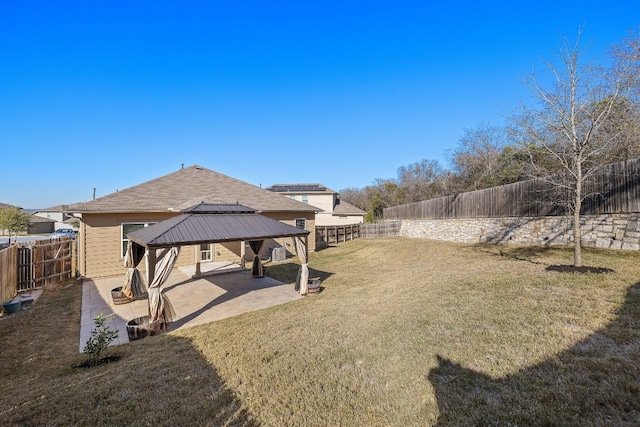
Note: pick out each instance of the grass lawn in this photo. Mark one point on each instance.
(404, 332)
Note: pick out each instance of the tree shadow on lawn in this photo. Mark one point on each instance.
(162, 380)
(595, 382)
(529, 253)
(288, 272)
(520, 253)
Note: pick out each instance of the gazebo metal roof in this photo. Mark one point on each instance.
(213, 223)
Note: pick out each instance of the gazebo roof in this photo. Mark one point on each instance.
(212, 223)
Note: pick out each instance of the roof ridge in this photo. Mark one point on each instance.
(186, 187)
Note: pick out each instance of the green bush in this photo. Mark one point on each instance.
(101, 336)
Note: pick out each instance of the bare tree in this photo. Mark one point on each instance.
(565, 137)
(476, 160)
(421, 181)
(626, 57)
(625, 118)
(374, 198)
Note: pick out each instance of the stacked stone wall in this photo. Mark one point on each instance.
(614, 231)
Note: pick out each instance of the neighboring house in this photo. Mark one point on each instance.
(333, 211)
(39, 225)
(59, 215)
(105, 222)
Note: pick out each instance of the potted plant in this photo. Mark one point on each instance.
(12, 306)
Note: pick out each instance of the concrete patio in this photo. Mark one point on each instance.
(220, 292)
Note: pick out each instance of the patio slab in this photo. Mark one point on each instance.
(195, 301)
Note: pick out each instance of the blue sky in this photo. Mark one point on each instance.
(107, 95)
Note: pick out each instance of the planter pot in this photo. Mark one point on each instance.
(118, 297)
(139, 328)
(11, 307)
(314, 286)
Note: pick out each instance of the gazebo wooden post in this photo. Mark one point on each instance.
(196, 259)
(151, 267)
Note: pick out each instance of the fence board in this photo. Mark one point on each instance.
(380, 229)
(8, 273)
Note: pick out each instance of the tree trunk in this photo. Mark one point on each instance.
(577, 240)
(577, 235)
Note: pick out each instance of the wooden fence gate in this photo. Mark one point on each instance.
(32, 265)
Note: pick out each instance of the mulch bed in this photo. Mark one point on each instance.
(582, 270)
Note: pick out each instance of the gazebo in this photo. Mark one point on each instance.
(160, 244)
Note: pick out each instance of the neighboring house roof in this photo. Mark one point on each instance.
(187, 187)
(207, 223)
(340, 208)
(344, 208)
(5, 206)
(59, 208)
(35, 218)
(299, 188)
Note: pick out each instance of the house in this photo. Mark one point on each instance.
(59, 216)
(39, 225)
(332, 210)
(106, 221)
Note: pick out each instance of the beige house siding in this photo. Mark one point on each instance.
(329, 219)
(325, 203)
(100, 241)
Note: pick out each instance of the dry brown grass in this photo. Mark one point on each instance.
(405, 332)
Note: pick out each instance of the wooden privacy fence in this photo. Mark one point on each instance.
(332, 234)
(380, 229)
(32, 265)
(614, 189)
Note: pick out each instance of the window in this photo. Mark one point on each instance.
(130, 227)
(305, 198)
(301, 223)
(292, 196)
(206, 252)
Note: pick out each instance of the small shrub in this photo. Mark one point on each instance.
(101, 336)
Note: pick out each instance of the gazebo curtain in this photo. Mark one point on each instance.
(159, 305)
(302, 280)
(133, 287)
(256, 270)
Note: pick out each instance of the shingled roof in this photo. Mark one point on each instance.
(344, 208)
(187, 187)
(299, 188)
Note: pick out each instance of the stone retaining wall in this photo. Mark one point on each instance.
(615, 231)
